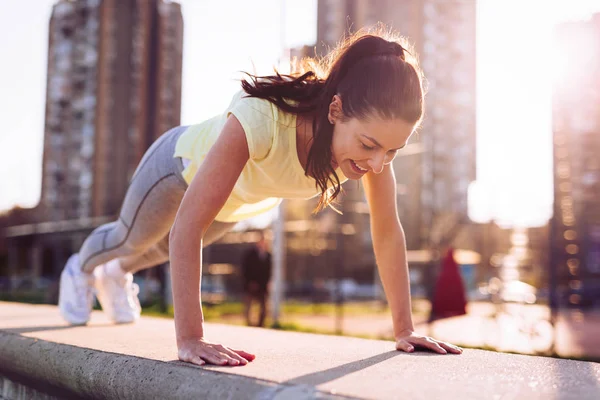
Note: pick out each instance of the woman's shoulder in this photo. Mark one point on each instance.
(258, 112)
(242, 100)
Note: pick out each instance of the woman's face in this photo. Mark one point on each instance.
(363, 145)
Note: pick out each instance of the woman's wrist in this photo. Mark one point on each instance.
(403, 332)
(187, 336)
(189, 327)
(401, 329)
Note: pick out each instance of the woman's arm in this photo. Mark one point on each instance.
(389, 245)
(202, 201)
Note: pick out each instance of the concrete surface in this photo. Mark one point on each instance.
(576, 333)
(139, 361)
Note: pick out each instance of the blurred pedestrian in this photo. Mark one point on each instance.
(283, 136)
(256, 274)
(449, 296)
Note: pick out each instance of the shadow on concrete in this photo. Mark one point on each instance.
(320, 377)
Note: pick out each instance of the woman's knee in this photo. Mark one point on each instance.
(134, 248)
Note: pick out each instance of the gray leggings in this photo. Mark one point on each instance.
(140, 237)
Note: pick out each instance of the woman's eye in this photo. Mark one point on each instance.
(367, 147)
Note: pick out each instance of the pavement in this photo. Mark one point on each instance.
(134, 361)
(524, 329)
(521, 329)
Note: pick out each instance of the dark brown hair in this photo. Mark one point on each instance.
(373, 72)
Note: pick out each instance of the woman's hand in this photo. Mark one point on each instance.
(200, 352)
(407, 341)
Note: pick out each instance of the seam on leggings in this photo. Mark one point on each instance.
(160, 145)
(123, 221)
(182, 180)
(100, 231)
(132, 222)
(139, 169)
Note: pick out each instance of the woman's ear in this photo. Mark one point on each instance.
(335, 109)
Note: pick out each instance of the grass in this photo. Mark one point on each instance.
(295, 327)
(217, 311)
(29, 297)
(232, 312)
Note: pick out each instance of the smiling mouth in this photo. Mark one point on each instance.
(358, 169)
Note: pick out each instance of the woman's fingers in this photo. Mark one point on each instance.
(403, 345)
(201, 352)
(208, 355)
(450, 347)
(215, 357)
(231, 356)
(225, 356)
(442, 347)
(410, 343)
(197, 360)
(432, 345)
(235, 358)
(246, 355)
(190, 357)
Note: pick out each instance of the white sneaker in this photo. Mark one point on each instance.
(76, 293)
(118, 296)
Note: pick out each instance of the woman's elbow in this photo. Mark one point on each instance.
(180, 237)
(184, 235)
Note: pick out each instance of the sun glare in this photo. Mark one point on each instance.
(516, 70)
(514, 151)
(571, 55)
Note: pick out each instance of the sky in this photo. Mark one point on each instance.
(214, 53)
(513, 87)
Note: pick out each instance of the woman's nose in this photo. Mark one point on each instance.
(376, 163)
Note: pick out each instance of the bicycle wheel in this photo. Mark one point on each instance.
(542, 336)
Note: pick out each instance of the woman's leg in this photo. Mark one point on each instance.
(148, 210)
(247, 307)
(159, 253)
(146, 215)
(262, 302)
(155, 255)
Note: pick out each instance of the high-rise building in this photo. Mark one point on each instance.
(575, 237)
(113, 86)
(434, 172)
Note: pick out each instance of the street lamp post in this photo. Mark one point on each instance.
(278, 264)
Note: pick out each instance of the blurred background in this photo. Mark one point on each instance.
(498, 192)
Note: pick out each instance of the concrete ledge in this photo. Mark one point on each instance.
(139, 361)
(64, 370)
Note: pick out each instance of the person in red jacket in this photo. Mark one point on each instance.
(449, 299)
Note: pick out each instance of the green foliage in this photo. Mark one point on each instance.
(29, 297)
